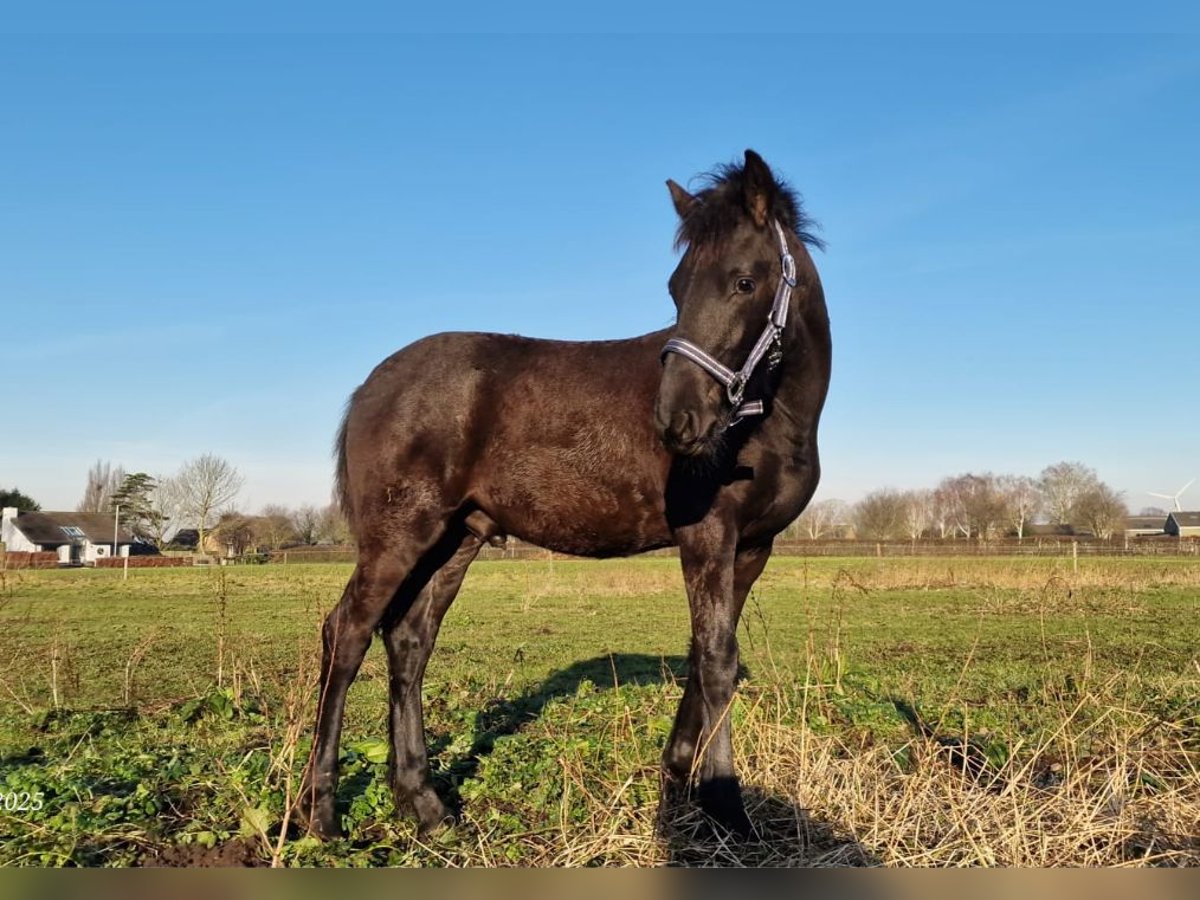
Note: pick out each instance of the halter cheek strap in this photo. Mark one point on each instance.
(769, 342)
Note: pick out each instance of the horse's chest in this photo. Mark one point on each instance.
(773, 497)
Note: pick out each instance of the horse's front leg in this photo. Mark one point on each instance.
(718, 581)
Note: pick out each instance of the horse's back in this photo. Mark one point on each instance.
(513, 425)
(437, 378)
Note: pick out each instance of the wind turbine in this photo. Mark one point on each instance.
(1175, 496)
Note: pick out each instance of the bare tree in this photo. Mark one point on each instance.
(984, 504)
(206, 484)
(972, 504)
(165, 502)
(1102, 510)
(950, 510)
(332, 527)
(918, 513)
(879, 516)
(234, 532)
(1062, 485)
(273, 527)
(820, 518)
(1022, 501)
(103, 481)
(943, 510)
(306, 521)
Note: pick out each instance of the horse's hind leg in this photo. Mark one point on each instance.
(345, 636)
(409, 629)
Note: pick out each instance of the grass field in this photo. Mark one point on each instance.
(897, 712)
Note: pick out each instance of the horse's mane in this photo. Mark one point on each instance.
(720, 207)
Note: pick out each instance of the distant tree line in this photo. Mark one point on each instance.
(201, 496)
(277, 527)
(199, 503)
(973, 506)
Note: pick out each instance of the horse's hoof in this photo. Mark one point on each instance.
(318, 819)
(721, 800)
(325, 831)
(432, 826)
(324, 828)
(737, 823)
(432, 814)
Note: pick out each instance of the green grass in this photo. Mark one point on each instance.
(168, 714)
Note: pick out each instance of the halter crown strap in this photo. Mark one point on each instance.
(735, 382)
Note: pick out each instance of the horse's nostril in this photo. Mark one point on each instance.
(683, 427)
(661, 422)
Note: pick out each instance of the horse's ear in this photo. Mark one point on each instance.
(758, 185)
(682, 199)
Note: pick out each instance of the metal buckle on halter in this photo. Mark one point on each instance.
(736, 388)
(789, 269)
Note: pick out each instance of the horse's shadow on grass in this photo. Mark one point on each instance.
(785, 833)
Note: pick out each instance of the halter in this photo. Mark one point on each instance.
(770, 341)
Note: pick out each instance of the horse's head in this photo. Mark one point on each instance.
(732, 289)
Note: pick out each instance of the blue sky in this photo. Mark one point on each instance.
(207, 242)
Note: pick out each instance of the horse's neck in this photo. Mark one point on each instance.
(798, 395)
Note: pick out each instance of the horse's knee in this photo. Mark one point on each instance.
(404, 641)
(717, 653)
(678, 756)
(329, 631)
(340, 634)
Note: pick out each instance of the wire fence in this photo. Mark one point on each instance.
(520, 550)
(1030, 547)
(1052, 547)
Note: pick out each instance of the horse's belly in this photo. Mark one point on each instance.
(579, 539)
(577, 510)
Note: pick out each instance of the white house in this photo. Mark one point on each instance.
(77, 538)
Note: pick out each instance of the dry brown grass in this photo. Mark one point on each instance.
(654, 577)
(817, 802)
(1043, 810)
(976, 573)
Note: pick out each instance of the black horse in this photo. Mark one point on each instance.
(703, 436)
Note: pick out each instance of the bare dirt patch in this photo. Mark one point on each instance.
(234, 854)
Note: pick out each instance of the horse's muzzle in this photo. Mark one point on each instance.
(684, 434)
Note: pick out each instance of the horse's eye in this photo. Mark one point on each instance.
(745, 286)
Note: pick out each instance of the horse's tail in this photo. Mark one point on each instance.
(341, 484)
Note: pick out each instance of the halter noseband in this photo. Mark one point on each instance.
(770, 341)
